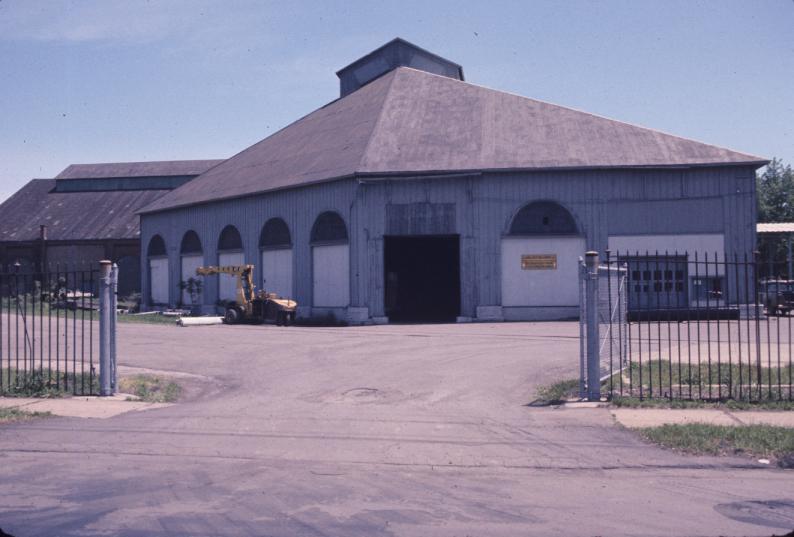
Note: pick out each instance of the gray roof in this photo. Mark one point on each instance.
(72, 215)
(412, 122)
(137, 169)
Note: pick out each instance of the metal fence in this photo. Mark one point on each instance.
(693, 325)
(49, 330)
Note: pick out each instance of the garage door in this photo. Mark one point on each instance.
(158, 276)
(227, 284)
(277, 272)
(541, 271)
(331, 275)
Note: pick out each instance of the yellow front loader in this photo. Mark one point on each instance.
(249, 305)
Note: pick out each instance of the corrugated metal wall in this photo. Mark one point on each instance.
(479, 208)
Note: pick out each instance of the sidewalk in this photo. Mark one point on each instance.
(654, 417)
(80, 407)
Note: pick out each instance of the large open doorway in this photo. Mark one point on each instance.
(422, 276)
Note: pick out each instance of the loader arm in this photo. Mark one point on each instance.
(245, 281)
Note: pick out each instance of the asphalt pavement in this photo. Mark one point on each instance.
(368, 431)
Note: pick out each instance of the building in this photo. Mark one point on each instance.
(418, 196)
(88, 212)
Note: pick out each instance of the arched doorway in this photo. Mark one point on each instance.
(230, 252)
(275, 244)
(540, 259)
(191, 256)
(330, 262)
(157, 257)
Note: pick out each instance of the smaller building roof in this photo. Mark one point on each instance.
(72, 216)
(775, 227)
(161, 168)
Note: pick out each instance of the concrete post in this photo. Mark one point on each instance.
(591, 312)
(104, 328)
(114, 289)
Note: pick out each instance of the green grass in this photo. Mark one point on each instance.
(698, 438)
(730, 404)
(734, 381)
(46, 383)
(150, 388)
(558, 392)
(12, 415)
(153, 318)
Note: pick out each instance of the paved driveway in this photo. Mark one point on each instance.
(389, 430)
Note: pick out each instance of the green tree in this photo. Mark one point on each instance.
(775, 188)
(775, 194)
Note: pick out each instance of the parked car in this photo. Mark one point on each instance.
(777, 296)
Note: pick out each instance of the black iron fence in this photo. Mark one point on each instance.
(49, 334)
(695, 325)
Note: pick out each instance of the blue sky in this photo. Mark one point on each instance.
(107, 80)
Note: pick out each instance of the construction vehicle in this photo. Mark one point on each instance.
(251, 306)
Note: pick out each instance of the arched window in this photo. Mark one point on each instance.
(275, 235)
(329, 228)
(191, 244)
(230, 239)
(543, 218)
(156, 247)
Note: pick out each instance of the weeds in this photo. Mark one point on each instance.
(151, 388)
(47, 383)
(699, 438)
(12, 415)
(558, 392)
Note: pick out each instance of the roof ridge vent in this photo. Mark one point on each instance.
(396, 53)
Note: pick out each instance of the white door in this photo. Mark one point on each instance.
(331, 276)
(227, 284)
(527, 276)
(277, 272)
(158, 280)
(189, 265)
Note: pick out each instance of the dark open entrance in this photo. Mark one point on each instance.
(422, 276)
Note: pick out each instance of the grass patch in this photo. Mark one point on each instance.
(151, 388)
(745, 382)
(558, 392)
(698, 438)
(13, 415)
(46, 383)
(730, 404)
(154, 318)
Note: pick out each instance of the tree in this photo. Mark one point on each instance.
(775, 189)
(775, 194)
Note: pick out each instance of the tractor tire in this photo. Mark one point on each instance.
(232, 316)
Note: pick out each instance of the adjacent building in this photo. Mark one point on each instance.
(86, 213)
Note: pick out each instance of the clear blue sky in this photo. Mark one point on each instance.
(107, 80)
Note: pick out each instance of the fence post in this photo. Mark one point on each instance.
(591, 311)
(105, 328)
(114, 288)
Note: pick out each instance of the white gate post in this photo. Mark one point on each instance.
(591, 312)
(105, 328)
(114, 288)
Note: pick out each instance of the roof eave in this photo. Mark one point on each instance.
(426, 174)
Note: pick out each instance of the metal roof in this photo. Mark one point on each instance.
(72, 215)
(137, 169)
(413, 122)
(777, 227)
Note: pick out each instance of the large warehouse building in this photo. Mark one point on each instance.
(418, 196)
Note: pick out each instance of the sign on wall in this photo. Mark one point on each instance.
(539, 262)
